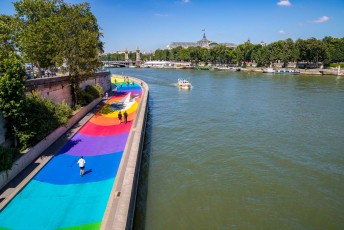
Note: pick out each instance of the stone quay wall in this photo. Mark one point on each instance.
(59, 90)
(119, 213)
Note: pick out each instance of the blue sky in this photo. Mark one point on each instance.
(153, 24)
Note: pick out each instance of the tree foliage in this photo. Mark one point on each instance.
(42, 116)
(311, 50)
(7, 36)
(38, 33)
(80, 44)
(46, 33)
(12, 97)
(53, 32)
(7, 157)
(90, 93)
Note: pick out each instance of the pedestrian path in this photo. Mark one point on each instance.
(58, 197)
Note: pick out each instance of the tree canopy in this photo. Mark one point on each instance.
(328, 50)
(46, 33)
(52, 33)
(12, 97)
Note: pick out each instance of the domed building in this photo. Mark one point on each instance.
(204, 42)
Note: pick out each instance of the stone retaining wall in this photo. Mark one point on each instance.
(120, 210)
(58, 88)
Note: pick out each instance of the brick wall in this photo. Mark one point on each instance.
(58, 88)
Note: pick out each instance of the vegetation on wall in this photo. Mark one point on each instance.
(90, 93)
(42, 116)
(12, 97)
(7, 156)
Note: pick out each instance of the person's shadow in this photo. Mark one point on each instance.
(88, 171)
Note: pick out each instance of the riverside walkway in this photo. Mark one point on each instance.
(57, 197)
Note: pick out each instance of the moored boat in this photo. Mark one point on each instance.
(268, 70)
(283, 71)
(227, 69)
(287, 71)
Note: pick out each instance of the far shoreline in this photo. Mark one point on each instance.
(318, 71)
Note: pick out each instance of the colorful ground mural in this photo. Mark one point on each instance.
(58, 197)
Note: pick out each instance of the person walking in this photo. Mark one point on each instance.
(125, 117)
(81, 163)
(120, 117)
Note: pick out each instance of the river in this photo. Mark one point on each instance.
(242, 151)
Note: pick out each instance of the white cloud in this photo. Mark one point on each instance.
(284, 3)
(185, 1)
(321, 19)
(281, 32)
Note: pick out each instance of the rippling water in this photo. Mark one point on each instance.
(242, 151)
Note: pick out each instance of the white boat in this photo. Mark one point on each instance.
(287, 71)
(227, 69)
(284, 71)
(338, 70)
(184, 84)
(268, 70)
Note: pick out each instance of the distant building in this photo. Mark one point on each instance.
(204, 42)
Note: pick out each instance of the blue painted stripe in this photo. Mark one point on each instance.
(35, 208)
(63, 169)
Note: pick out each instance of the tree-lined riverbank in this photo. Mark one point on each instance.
(308, 53)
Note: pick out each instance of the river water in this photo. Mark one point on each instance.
(242, 151)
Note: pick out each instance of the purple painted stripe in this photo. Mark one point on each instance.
(84, 145)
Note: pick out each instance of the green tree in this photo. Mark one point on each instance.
(289, 52)
(335, 49)
(42, 111)
(80, 43)
(39, 31)
(53, 32)
(160, 55)
(311, 50)
(7, 36)
(205, 55)
(218, 54)
(171, 55)
(183, 55)
(283, 50)
(317, 50)
(243, 52)
(262, 56)
(12, 97)
(195, 54)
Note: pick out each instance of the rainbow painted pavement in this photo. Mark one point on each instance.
(58, 197)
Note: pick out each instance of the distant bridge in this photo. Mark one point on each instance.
(120, 63)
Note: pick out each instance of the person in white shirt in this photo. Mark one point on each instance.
(81, 163)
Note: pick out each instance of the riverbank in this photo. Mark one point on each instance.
(302, 71)
(258, 70)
